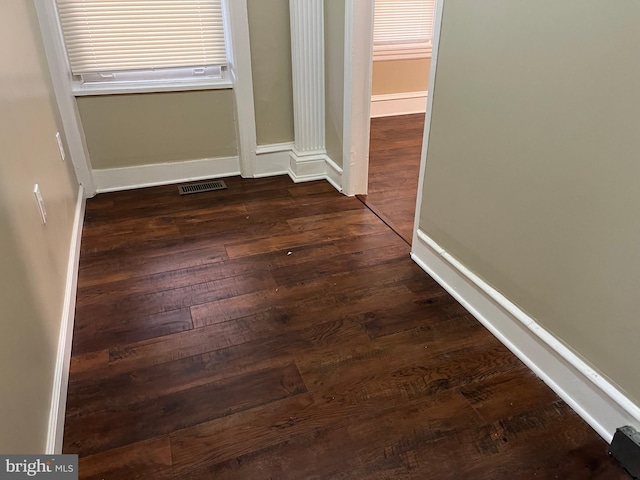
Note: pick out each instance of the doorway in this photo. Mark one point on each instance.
(400, 67)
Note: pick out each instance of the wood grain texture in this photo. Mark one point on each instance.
(276, 330)
(394, 163)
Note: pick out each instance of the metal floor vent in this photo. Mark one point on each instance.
(208, 186)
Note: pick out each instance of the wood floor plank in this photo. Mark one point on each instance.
(201, 267)
(278, 422)
(145, 304)
(308, 230)
(145, 259)
(234, 325)
(118, 425)
(141, 460)
(503, 396)
(88, 362)
(86, 392)
(562, 439)
(325, 295)
(99, 335)
(411, 315)
(337, 264)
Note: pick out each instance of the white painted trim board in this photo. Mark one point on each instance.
(242, 79)
(334, 173)
(392, 104)
(63, 357)
(589, 394)
(358, 70)
(272, 159)
(127, 178)
(309, 168)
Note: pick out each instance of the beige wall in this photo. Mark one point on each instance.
(334, 18)
(33, 257)
(140, 129)
(532, 166)
(271, 70)
(399, 76)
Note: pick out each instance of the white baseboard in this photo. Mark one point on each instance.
(315, 166)
(334, 174)
(307, 167)
(398, 104)
(272, 159)
(63, 357)
(127, 178)
(594, 398)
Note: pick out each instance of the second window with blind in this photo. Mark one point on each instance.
(403, 29)
(144, 41)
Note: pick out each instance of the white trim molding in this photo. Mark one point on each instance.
(306, 168)
(358, 67)
(272, 159)
(333, 173)
(239, 57)
(281, 159)
(307, 63)
(593, 397)
(308, 158)
(127, 178)
(63, 357)
(405, 103)
(309, 168)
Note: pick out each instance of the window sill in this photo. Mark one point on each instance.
(81, 90)
(383, 53)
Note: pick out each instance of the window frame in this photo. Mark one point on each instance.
(154, 82)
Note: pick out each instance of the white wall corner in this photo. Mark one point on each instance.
(589, 394)
(127, 178)
(63, 357)
(392, 104)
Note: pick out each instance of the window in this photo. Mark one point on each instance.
(134, 45)
(403, 29)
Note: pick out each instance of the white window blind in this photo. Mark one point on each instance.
(403, 28)
(121, 35)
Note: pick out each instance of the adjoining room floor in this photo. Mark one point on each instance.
(394, 167)
(280, 330)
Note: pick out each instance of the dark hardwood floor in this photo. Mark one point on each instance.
(394, 166)
(280, 331)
